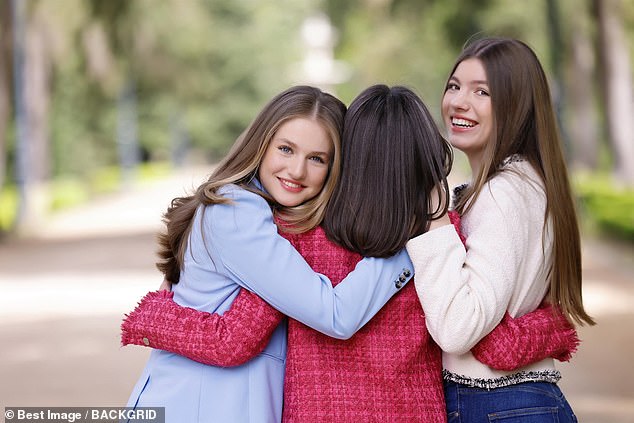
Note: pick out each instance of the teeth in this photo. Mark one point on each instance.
(462, 122)
(290, 184)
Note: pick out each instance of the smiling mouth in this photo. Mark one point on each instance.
(290, 185)
(462, 123)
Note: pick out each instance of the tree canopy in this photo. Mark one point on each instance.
(181, 76)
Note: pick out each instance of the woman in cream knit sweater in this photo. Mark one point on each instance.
(522, 235)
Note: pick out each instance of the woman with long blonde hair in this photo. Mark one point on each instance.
(223, 239)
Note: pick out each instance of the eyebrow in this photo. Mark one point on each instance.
(476, 82)
(292, 144)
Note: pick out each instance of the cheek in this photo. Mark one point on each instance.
(269, 164)
(444, 109)
(320, 177)
(488, 130)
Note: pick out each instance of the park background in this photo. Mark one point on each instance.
(109, 108)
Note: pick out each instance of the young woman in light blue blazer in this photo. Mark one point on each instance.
(224, 238)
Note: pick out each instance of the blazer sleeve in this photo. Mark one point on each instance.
(246, 246)
(518, 342)
(230, 339)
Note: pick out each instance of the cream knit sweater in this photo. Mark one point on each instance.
(465, 294)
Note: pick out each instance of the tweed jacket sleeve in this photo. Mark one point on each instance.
(230, 339)
(518, 342)
(242, 332)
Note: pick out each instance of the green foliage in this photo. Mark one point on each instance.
(68, 192)
(105, 180)
(111, 178)
(153, 171)
(212, 63)
(202, 69)
(8, 207)
(414, 42)
(605, 204)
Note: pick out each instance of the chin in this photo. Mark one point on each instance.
(289, 203)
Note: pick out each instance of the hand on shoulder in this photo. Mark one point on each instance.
(437, 200)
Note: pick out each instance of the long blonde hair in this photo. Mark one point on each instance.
(241, 165)
(525, 124)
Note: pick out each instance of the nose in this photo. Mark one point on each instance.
(297, 168)
(459, 100)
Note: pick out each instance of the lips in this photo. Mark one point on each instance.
(290, 185)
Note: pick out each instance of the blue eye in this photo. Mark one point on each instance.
(285, 149)
(318, 159)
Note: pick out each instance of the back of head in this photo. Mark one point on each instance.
(393, 156)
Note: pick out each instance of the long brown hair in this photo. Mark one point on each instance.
(393, 157)
(525, 124)
(240, 167)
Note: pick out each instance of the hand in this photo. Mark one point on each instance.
(166, 285)
(438, 202)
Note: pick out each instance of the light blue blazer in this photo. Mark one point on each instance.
(235, 246)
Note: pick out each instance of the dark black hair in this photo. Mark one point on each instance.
(393, 156)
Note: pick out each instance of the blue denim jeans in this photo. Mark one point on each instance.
(530, 402)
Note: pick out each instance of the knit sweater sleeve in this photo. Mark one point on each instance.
(518, 342)
(465, 293)
(230, 339)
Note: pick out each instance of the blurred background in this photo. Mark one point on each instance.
(110, 108)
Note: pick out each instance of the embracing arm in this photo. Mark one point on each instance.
(230, 339)
(518, 342)
(255, 256)
(466, 292)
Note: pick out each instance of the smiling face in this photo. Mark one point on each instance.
(296, 162)
(467, 110)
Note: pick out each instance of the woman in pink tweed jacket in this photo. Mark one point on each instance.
(390, 370)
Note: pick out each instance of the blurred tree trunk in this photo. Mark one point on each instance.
(37, 93)
(583, 126)
(617, 86)
(35, 167)
(556, 58)
(5, 90)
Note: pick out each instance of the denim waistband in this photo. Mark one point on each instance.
(551, 376)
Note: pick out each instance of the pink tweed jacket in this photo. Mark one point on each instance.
(388, 371)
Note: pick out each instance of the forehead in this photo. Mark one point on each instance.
(470, 70)
(305, 133)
